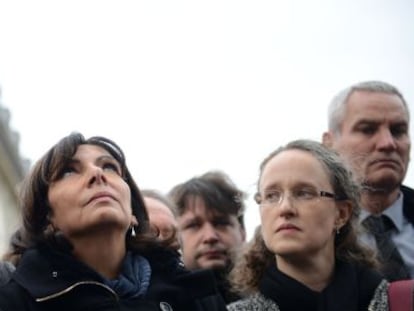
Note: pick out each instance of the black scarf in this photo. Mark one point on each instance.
(351, 289)
(223, 285)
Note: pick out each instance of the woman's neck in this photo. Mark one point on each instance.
(102, 253)
(315, 273)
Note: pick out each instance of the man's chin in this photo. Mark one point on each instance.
(385, 183)
(215, 265)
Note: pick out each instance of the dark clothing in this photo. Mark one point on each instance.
(393, 232)
(400, 270)
(49, 280)
(408, 203)
(393, 266)
(352, 289)
(224, 286)
(6, 270)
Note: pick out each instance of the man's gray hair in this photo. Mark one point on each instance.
(336, 109)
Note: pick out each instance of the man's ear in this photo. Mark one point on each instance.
(327, 139)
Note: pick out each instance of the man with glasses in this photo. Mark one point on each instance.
(369, 128)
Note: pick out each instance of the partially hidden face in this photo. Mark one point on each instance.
(299, 228)
(162, 218)
(375, 138)
(208, 238)
(90, 194)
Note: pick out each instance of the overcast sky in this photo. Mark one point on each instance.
(189, 86)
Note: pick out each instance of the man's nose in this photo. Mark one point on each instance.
(210, 234)
(386, 141)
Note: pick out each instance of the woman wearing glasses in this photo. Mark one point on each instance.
(305, 255)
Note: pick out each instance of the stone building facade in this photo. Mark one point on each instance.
(12, 171)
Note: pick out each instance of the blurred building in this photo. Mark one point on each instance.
(12, 170)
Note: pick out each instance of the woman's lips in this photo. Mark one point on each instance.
(287, 227)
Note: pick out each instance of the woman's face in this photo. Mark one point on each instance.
(302, 224)
(90, 195)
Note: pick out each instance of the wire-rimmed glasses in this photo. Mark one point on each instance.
(274, 197)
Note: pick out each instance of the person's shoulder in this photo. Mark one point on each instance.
(13, 296)
(408, 203)
(163, 259)
(407, 191)
(366, 274)
(380, 298)
(187, 290)
(255, 302)
(168, 264)
(6, 270)
(159, 251)
(195, 283)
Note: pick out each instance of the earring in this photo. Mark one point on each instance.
(338, 230)
(133, 233)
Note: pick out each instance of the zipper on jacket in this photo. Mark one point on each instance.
(68, 289)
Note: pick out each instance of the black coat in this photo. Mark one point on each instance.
(6, 270)
(48, 280)
(408, 203)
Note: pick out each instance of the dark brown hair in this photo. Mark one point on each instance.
(216, 190)
(36, 208)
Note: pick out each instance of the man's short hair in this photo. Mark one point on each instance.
(337, 107)
(217, 191)
(156, 195)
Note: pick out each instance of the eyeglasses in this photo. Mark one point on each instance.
(300, 196)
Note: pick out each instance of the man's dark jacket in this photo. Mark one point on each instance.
(408, 203)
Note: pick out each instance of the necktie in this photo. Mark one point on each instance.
(393, 266)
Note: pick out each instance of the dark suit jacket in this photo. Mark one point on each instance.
(408, 204)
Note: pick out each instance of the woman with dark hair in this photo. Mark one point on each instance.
(305, 255)
(87, 243)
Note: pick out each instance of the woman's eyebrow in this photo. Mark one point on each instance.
(105, 157)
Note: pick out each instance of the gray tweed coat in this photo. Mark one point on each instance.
(258, 302)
